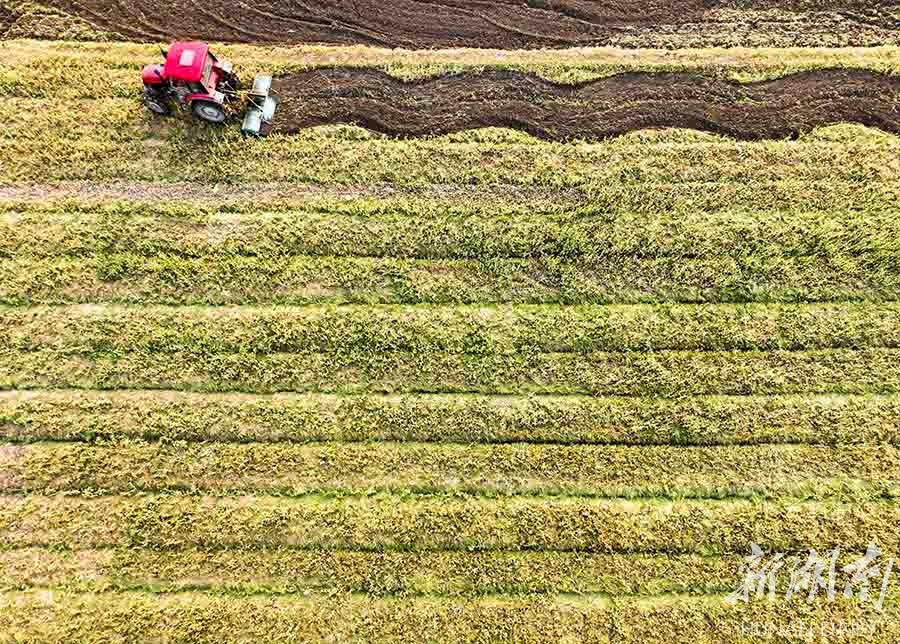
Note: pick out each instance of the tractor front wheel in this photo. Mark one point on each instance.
(209, 112)
(156, 105)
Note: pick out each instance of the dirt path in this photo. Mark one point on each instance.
(506, 24)
(608, 107)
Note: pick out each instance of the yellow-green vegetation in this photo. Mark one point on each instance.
(469, 329)
(83, 415)
(300, 280)
(99, 70)
(664, 373)
(289, 571)
(426, 229)
(198, 617)
(388, 522)
(118, 142)
(583, 470)
(471, 388)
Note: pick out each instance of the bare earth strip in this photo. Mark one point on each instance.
(595, 110)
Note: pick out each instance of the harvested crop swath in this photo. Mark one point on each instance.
(289, 570)
(32, 68)
(388, 523)
(283, 571)
(665, 373)
(65, 70)
(505, 24)
(435, 231)
(452, 329)
(201, 618)
(138, 149)
(126, 278)
(794, 176)
(663, 202)
(603, 471)
(100, 71)
(27, 416)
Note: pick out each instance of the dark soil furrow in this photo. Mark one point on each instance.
(785, 107)
(508, 23)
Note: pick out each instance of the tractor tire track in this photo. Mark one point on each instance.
(505, 24)
(781, 108)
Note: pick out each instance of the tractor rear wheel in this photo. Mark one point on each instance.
(209, 112)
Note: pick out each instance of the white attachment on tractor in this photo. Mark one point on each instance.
(260, 108)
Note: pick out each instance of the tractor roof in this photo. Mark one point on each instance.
(185, 61)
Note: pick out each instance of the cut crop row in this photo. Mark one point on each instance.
(198, 618)
(449, 574)
(671, 202)
(388, 522)
(667, 373)
(27, 416)
(93, 70)
(440, 232)
(858, 472)
(286, 570)
(845, 152)
(477, 329)
(67, 150)
(304, 280)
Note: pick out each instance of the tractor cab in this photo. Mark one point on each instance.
(193, 77)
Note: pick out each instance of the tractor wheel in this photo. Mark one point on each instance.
(156, 105)
(209, 112)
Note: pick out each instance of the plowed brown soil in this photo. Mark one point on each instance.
(599, 109)
(509, 24)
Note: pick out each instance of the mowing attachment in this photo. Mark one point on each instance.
(260, 108)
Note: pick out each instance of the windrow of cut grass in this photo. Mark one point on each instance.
(439, 522)
(81, 139)
(287, 571)
(669, 201)
(435, 231)
(323, 154)
(477, 329)
(28, 416)
(665, 373)
(77, 148)
(293, 571)
(199, 618)
(31, 68)
(114, 278)
(857, 472)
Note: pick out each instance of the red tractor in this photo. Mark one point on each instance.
(192, 77)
